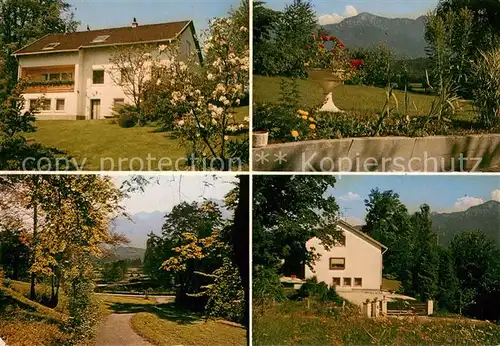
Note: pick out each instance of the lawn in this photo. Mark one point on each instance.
(100, 144)
(168, 329)
(291, 323)
(165, 324)
(348, 97)
(23, 322)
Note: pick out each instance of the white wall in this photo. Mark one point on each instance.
(362, 259)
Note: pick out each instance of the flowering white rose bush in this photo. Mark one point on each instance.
(204, 97)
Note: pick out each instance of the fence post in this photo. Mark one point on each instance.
(375, 308)
(367, 308)
(430, 307)
(384, 306)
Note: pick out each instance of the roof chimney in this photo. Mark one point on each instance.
(134, 23)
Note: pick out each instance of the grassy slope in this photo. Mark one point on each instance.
(94, 140)
(347, 97)
(292, 324)
(23, 322)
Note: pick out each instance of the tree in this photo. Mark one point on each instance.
(282, 44)
(388, 221)
(23, 21)
(157, 249)
(425, 255)
(194, 231)
(287, 212)
(132, 67)
(447, 292)
(486, 29)
(14, 255)
(477, 263)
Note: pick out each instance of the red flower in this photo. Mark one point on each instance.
(356, 63)
(322, 45)
(333, 38)
(340, 44)
(324, 37)
(308, 47)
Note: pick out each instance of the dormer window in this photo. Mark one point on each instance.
(99, 39)
(51, 46)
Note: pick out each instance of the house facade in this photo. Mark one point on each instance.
(72, 72)
(354, 263)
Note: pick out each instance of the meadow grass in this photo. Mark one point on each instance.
(291, 323)
(161, 329)
(357, 99)
(90, 141)
(23, 322)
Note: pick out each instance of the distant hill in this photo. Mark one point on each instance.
(141, 225)
(484, 217)
(366, 30)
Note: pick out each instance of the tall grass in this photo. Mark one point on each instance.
(486, 94)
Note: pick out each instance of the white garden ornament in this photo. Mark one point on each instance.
(329, 106)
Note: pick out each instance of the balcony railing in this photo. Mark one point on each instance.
(46, 87)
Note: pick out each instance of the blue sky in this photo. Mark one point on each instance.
(442, 193)
(99, 14)
(332, 11)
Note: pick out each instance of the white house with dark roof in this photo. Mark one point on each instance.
(354, 263)
(72, 71)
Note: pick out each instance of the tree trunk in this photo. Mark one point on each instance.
(35, 225)
(241, 242)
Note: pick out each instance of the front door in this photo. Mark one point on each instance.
(95, 109)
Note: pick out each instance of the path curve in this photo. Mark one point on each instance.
(117, 330)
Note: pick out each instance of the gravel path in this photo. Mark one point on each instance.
(117, 331)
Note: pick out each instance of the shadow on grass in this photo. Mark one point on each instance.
(164, 311)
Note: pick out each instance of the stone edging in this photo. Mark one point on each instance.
(383, 154)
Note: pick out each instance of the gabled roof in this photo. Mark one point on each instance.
(362, 235)
(152, 33)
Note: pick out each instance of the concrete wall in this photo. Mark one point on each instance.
(362, 260)
(383, 154)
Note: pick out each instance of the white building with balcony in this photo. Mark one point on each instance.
(71, 72)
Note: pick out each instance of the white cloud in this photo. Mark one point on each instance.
(495, 195)
(351, 196)
(464, 203)
(332, 18)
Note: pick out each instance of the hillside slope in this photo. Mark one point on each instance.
(23, 322)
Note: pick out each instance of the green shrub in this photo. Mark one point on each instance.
(486, 93)
(320, 291)
(266, 285)
(127, 115)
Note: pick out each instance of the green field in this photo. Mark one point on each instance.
(349, 97)
(90, 142)
(292, 323)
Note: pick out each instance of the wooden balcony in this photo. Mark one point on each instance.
(47, 80)
(49, 89)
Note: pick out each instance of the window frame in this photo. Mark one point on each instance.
(336, 268)
(47, 102)
(344, 282)
(94, 77)
(63, 103)
(339, 280)
(360, 282)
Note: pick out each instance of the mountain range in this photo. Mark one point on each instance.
(366, 30)
(484, 217)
